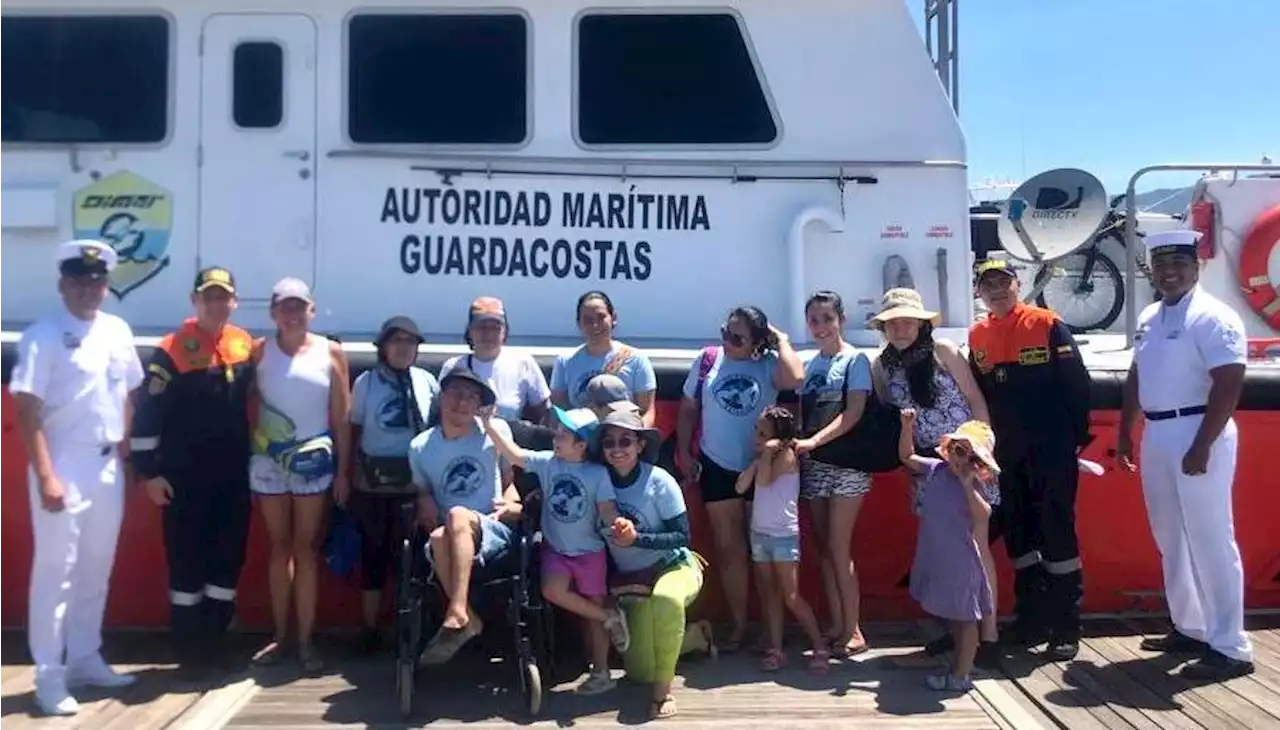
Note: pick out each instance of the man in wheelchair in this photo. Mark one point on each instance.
(467, 503)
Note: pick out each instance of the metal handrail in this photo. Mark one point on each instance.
(1131, 229)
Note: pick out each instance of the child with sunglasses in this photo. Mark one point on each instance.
(578, 503)
(948, 578)
(775, 537)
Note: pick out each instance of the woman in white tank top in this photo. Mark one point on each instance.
(302, 434)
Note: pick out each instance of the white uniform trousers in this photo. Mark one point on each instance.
(1192, 524)
(74, 553)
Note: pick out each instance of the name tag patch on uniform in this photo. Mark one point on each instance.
(70, 341)
(980, 359)
(1033, 356)
(1064, 350)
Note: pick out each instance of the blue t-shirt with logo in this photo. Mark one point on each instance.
(378, 408)
(651, 500)
(461, 472)
(733, 396)
(571, 374)
(825, 374)
(570, 492)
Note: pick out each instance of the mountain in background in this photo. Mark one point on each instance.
(1169, 201)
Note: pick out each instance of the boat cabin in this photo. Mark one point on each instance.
(408, 157)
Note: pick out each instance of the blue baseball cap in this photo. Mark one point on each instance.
(581, 422)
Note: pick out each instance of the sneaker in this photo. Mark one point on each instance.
(93, 671)
(619, 633)
(1174, 643)
(596, 683)
(1062, 649)
(948, 683)
(52, 698)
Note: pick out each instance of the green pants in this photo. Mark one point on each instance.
(657, 625)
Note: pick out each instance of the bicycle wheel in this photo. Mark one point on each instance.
(1084, 306)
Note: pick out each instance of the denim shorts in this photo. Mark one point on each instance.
(496, 538)
(773, 549)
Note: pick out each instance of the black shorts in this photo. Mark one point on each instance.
(718, 483)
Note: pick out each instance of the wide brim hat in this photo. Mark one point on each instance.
(401, 323)
(631, 421)
(487, 396)
(902, 303)
(981, 439)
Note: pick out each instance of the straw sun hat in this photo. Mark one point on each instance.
(903, 303)
(981, 440)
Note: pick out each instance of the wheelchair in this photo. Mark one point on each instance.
(515, 575)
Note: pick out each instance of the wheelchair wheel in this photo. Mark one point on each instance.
(404, 686)
(531, 687)
(408, 629)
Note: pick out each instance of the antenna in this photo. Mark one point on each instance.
(1052, 215)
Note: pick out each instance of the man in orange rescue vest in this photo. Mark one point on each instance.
(1037, 388)
(190, 446)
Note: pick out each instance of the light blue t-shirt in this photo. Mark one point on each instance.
(570, 492)
(571, 374)
(826, 374)
(651, 500)
(461, 472)
(733, 396)
(378, 409)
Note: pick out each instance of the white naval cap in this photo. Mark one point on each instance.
(86, 257)
(1182, 240)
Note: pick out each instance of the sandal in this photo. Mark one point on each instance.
(311, 662)
(820, 662)
(733, 643)
(842, 650)
(269, 654)
(773, 660)
(663, 708)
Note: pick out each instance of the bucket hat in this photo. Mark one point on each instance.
(631, 421)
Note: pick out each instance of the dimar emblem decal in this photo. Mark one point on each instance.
(135, 217)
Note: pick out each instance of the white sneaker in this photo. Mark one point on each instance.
(53, 699)
(94, 672)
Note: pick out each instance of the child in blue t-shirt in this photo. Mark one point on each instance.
(577, 502)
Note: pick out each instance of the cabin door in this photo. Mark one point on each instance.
(257, 151)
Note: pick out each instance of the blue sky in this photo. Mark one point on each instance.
(1112, 86)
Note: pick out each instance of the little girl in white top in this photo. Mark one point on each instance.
(775, 537)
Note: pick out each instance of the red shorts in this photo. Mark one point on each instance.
(587, 571)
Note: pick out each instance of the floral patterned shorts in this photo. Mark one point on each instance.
(819, 480)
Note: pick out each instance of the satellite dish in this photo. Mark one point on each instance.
(1052, 215)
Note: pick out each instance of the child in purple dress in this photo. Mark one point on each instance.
(947, 577)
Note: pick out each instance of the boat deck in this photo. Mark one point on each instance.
(1111, 685)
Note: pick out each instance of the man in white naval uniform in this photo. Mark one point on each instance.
(71, 383)
(1186, 377)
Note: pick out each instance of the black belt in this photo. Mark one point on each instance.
(1166, 415)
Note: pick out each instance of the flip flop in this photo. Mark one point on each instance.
(269, 654)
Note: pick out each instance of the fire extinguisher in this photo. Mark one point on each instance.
(1202, 215)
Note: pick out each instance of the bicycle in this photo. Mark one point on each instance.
(1085, 288)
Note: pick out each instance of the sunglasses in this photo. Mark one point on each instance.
(962, 451)
(731, 338)
(624, 442)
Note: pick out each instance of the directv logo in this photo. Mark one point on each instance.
(1057, 204)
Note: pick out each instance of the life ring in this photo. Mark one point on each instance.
(1255, 279)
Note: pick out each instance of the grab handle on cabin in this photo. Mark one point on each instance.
(795, 249)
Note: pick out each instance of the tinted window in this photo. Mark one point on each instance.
(437, 79)
(258, 85)
(668, 79)
(79, 79)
